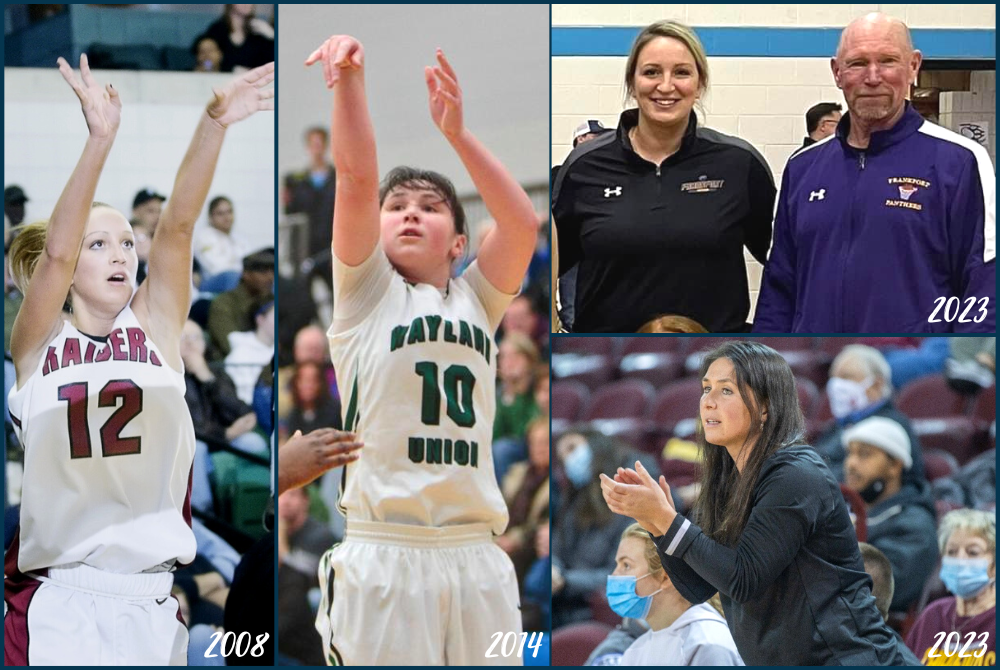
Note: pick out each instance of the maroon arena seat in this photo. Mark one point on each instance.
(984, 409)
(583, 345)
(572, 644)
(938, 463)
(930, 397)
(626, 399)
(808, 394)
(955, 435)
(658, 369)
(592, 370)
(568, 400)
(654, 345)
(675, 402)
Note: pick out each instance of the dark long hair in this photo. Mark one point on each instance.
(593, 511)
(765, 383)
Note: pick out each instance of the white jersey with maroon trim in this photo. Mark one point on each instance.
(417, 371)
(108, 447)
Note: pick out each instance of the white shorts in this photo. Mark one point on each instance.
(416, 595)
(84, 616)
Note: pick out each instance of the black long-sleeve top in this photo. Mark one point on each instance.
(794, 587)
(651, 240)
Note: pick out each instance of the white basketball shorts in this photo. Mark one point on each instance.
(83, 616)
(395, 594)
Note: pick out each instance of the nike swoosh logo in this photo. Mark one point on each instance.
(160, 602)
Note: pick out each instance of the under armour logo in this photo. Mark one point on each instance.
(608, 192)
(817, 195)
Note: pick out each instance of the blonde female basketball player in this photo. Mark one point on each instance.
(99, 407)
(418, 579)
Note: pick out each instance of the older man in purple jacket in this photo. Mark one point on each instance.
(890, 224)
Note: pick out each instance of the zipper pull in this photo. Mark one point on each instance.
(657, 170)
(861, 159)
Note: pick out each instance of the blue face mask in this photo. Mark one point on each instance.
(965, 577)
(577, 465)
(624, 601)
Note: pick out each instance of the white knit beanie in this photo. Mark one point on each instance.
(883, 433)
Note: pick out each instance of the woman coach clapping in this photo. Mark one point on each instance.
(776, 539)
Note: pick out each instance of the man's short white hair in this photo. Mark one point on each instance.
(871, 361)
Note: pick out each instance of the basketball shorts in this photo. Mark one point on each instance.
(83, 616)
(415, 595)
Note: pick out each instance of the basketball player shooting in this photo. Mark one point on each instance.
(99, 406)
(414, 349)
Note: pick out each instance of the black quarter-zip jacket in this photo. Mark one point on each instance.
(650, 240)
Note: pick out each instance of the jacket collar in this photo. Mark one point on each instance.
(880, 140)
(629, 119)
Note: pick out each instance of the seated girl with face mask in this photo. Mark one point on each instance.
(679, 633)
(968, 543)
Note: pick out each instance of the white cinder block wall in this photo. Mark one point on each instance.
(762, 100)
(44, 134)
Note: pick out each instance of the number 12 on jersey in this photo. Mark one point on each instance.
(77, 398)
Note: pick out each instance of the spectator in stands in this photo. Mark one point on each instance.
(586, 531)
(251, 351)
(968, 543)
(680, 633)
(13, 204)
(879, 568)
(518, 359)
(537, 585)
(217, 249)
(586, 131)
(860, 386)
(216, 411)
(313, 406)
(296, 310)
(302, 540)
(672, 324)
(521, 317)
(526, 490)
(207, 54)
(146, 208)
(232, 311)
(310, 346)
(12, 299)
(310, 192)
(900, 519)
(821, 122)
(246, 42)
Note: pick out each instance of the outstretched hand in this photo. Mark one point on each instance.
(303, 458)
(339, 52)
(635, 494)
(445, 96)
(244, 96)
(102, 108)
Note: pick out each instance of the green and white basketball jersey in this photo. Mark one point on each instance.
(416, 368)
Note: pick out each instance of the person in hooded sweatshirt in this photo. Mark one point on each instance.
(680, 633)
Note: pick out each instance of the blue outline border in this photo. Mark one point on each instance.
(770, 42)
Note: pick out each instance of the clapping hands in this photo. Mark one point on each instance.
(635, 494)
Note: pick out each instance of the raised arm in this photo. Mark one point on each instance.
(352, 141)
(505, 253)
(40, 316)
(164, 298)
